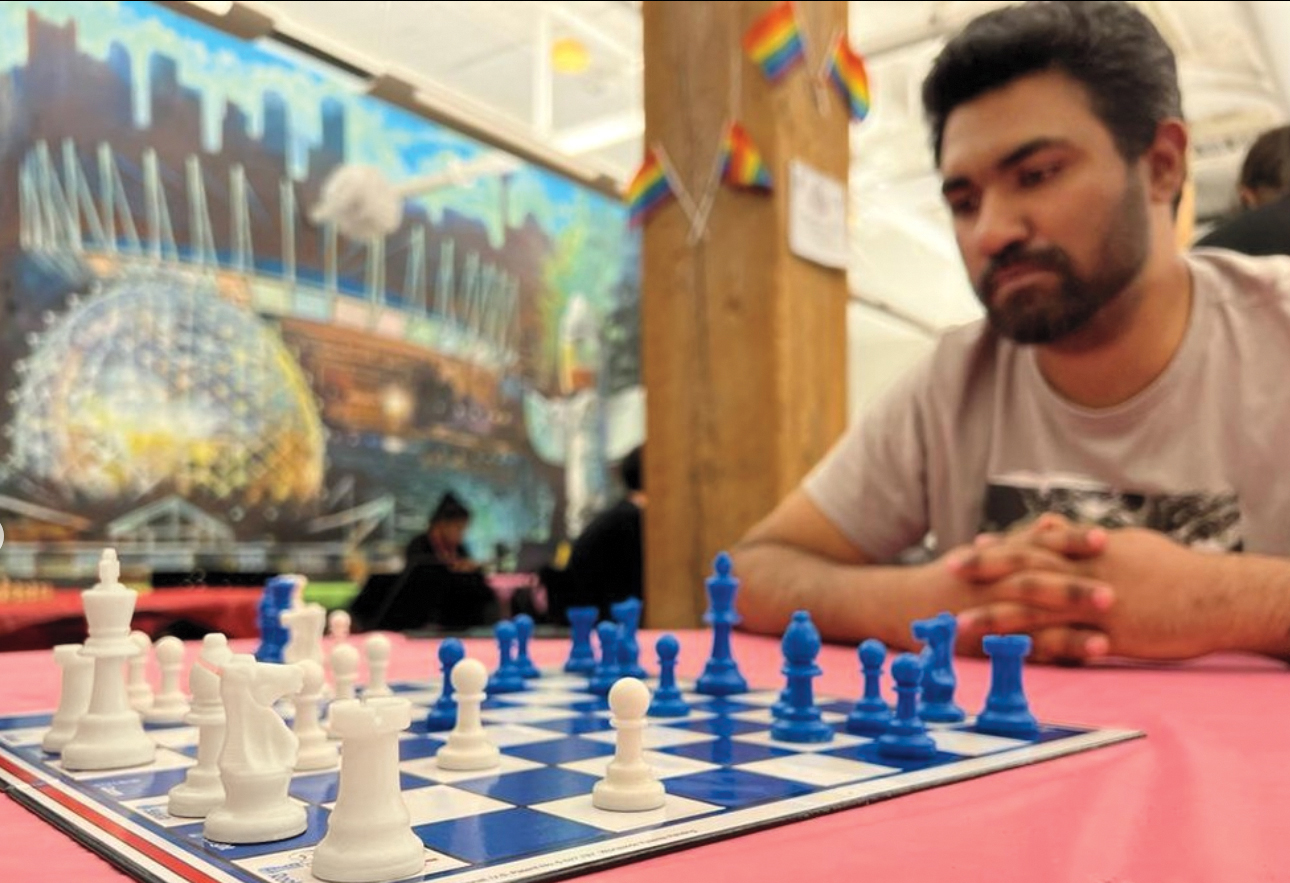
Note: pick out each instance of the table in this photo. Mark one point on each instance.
(61, 619)
(1203, 798)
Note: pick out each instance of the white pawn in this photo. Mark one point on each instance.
(344, 668)
(377, 648)
(468, 747)
(138, 687)
(339, 623)
(316, 753)
(74, 697)
(202, 790)
(629, 784)
(369, 832)
(170, 706)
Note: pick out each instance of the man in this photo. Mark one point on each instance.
(606, 563)
(1263, 227)
(1089, 461)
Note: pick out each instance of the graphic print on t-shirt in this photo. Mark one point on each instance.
(1202, 520)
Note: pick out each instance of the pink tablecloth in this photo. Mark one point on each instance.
(1205, 797)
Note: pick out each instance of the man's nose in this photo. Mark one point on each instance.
(999, 224)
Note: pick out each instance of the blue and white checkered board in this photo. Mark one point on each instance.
(532, 818)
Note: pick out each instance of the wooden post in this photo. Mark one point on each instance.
(744, 344)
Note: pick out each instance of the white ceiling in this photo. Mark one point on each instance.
(490, 62)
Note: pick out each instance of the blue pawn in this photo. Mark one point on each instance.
(801, 720)
(606, 672)
(667, 701)
(582, 658)
(872, 715)
(907, 737)
(507, 678)
(443, 714)
(721, 675)
(273, 634)
(524, 631)
(1007, 713)
(937, 704)
(628, 614)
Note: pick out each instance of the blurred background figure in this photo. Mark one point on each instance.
(606, 563)
(441, 584)
(1263, 225)
(444, 539)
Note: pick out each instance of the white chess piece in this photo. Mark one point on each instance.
(339, 623)
(138, 687)
(258, 756)
(170, 705)
(201, 790)
(110, 734)
(369, 832)
(73, 698)
(377, 647)
(468, 747)
(304, 625)
(316, 753)
(344, 668)
(629, 784)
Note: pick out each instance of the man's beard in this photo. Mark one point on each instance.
(1042, 314)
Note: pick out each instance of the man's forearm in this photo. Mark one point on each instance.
(847, 602)
(1254, 604)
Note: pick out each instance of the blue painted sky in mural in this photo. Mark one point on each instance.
(223, 68)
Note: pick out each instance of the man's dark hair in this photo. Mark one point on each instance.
(1111, 48)
(1267, 164)
(449, 509)
(630, 469)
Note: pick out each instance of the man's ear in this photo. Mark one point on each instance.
(1167, 161)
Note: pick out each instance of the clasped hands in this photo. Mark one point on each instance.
(1085, 592)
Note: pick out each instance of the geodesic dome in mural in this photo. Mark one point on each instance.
(157, 383)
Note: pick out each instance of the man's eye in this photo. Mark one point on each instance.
(1031, 177)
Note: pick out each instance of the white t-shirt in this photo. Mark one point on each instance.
(974, 439)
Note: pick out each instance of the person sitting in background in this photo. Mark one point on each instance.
(444, 539)
(1263, 226)
(440, 584)
(607, 561)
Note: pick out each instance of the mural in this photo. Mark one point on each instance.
(193, 369)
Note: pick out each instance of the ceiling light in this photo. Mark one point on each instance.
(569, 55)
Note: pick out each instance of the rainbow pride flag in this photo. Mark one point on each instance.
(741, 163)
(774, 41)
(847, 71)
(648, 189)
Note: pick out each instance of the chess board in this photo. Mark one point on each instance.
(532, 818)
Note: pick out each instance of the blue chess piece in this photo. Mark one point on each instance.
(507, 678)
(524, 631)
(606, 673)
(443, 714)
(582, 658)
(937, 702)
(872, 715)
(801, 720)
(907, 737)
(628, 614)
(1007, 713)
(273, 634)
(667, 701)
(721, 675)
